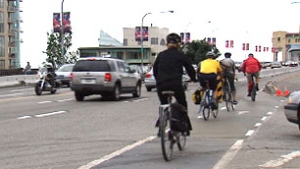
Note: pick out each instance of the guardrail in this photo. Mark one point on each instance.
(17, 80)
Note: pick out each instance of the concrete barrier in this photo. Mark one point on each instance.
(17, 80)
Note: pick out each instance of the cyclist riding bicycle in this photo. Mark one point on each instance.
(228, 67)
(168, 71)
(251, 66)
(208, 70)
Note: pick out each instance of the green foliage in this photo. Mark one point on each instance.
(197, 49)
(54, 50)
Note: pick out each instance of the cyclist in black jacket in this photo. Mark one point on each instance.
(168, 71)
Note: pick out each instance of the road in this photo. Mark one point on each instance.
(57, 132)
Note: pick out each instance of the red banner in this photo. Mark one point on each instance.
(208, 41)
(227, 43)
(137, 33)
(214, 41)
(231, 44)
(145, 33)
(66, 22)
(187, 37)
(243, 46)
(182, 36)
(247, 46)
(56, 22)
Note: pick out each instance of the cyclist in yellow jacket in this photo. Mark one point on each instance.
(208, 70)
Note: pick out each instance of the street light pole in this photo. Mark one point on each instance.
(62, 32)
(141, 33)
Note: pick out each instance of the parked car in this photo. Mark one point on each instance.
(105, 76)
(275, 65)
(150, 82)
(63, 74)
(139, 69)
(292, 108)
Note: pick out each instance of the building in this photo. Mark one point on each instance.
(131, 48)
(10, 34)
(286, 46)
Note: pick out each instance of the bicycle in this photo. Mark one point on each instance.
(227, 95)
(206, 104)
(168, 136)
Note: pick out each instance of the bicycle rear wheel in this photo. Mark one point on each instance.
(206, 113)
(166, 137)
(181, 140)
(227, 100)
(215, 112)
(253, 93)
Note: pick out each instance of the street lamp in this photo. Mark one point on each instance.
(141, 33)
(62, 32)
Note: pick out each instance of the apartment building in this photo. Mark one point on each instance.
(10, 34)
(286, 45)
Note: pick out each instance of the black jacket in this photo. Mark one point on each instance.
(168, 67)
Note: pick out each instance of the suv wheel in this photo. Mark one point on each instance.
(116, 93)
(79, 96)
(137, 91)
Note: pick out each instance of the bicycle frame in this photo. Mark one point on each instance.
(206, 104)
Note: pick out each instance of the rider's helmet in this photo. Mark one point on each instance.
(173, 38)
(227, 55)
(250, 55)
(210, 55)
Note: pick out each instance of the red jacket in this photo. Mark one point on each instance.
(251, 65)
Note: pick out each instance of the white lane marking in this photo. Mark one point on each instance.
(269, 113)
(282, 160)
(276, 107)
(199, 117)
(223, 108)
(264, 118)
(249, 133)
(140, 100)
(50, 114)
(257, 125)
(24, 117)
(43, 102)
(64, 100)
(12, 94)
(242, 112)
(229, 155)
(116, 153)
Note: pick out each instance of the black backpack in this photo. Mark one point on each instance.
(180, 120)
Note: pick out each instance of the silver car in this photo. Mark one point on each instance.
(105, 76)
(150, 82)
(63, 74)
(292, 108)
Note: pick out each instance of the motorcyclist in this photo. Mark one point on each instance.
(51, 75)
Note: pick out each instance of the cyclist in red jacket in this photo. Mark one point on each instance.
(251, 66)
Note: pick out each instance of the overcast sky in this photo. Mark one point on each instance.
(238, 20)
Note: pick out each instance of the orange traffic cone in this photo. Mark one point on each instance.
(278, 91)
(286, 92)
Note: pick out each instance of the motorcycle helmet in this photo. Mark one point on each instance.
(173, 38)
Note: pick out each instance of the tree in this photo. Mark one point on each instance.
(197, 49)
(54, 51)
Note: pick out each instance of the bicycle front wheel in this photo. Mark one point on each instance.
(206, 113)
(215, 112)
(227, 100)
(253, 94)
(166, 137)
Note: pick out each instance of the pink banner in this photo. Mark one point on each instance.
(56, 22)
(66, 22)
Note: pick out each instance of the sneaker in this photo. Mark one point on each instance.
(234, 102)
(257, 89)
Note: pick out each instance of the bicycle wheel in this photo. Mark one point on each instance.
(206, 113)
(227, 99)
(215, 111)
(166, 137)
(181, 140)
(253, 94)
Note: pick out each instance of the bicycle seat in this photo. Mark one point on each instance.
(168, 92)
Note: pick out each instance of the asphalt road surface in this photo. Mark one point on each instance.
(57, 132)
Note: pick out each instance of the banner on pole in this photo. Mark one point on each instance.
(66, 22)
(56, 22)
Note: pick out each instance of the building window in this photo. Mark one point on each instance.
(289, 40)
(154, 41)
(162, 42)
(2, 46)
(133, 55)
(2, 64)
(1, 3)
(1, 22)
(125, 42)
(278, 39)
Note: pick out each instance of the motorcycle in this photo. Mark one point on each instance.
(43, 84)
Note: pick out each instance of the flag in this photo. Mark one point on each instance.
(137, 33)
(243, 47)
(209, 41)
(187, 37)
(227, 43)
(66, 22)
(231, 43)
(259, 48)
(145, 33)
(182, 36)
(247, 46)
(214, 41)
(56, 22)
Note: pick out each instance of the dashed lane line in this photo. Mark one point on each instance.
(42, 115)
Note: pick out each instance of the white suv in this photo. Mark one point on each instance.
(105, 76)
